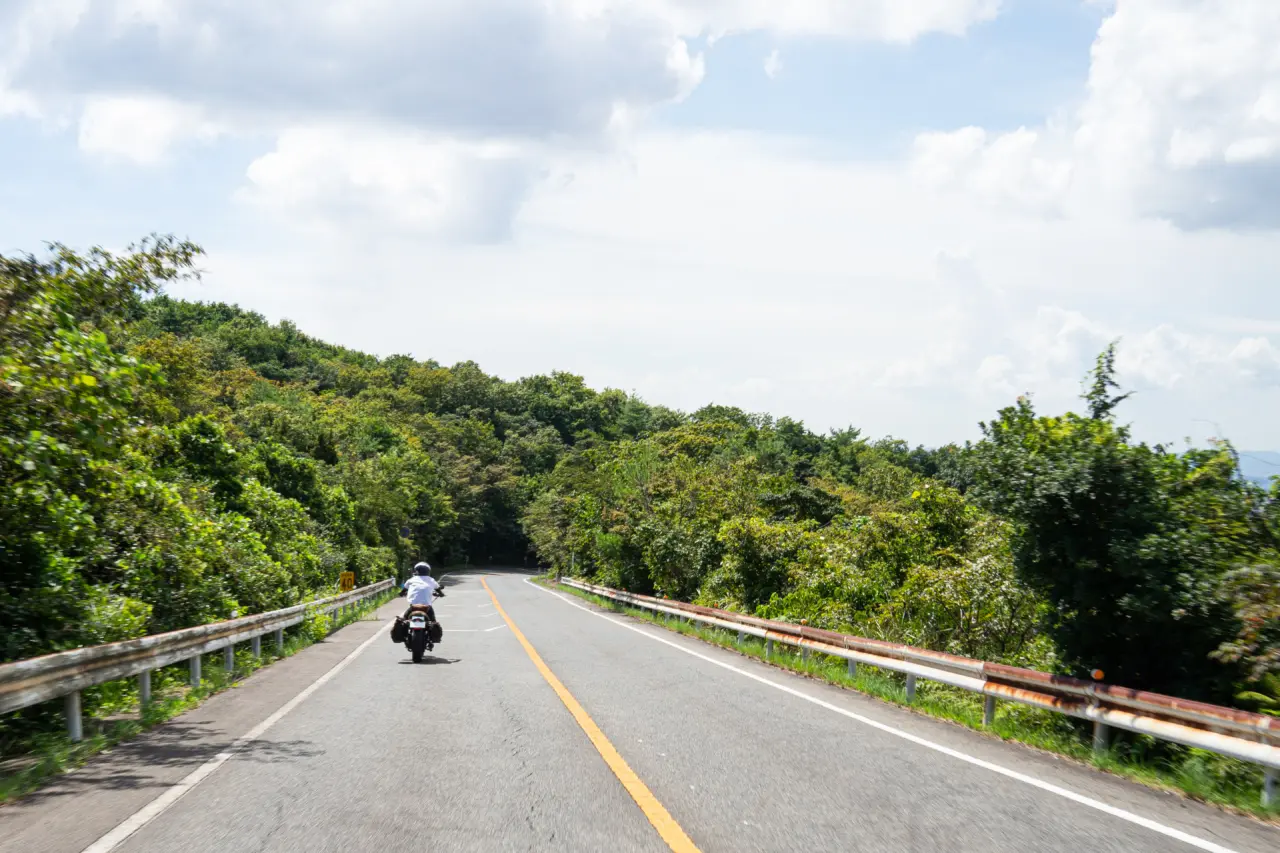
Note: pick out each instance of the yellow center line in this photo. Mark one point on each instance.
(648, 803)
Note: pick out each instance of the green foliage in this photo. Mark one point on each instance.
(1102, 402)
(1056, 542)
(200, 446)
(1253, 591)
(759, 557)
(165, 463)
(1129, 543)
(728, 510)
(1263, 695)
(68, 401)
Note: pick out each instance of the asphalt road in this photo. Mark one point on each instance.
(475, 750)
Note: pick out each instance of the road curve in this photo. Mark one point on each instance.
(475, 750)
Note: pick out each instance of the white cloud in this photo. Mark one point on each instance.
(26, 29)
(444, 82)
(1180, 120)
(1010, 169)
(473, 67)
(464, 94)
(1184, 104)
(833, 291)
(140, 130)
(17, 104)
(906, 297)
(773, 64)
(1258, 359)
(886, 20)
(335, 177)
(1160, 358)
(994, 376)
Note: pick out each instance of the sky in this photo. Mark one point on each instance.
(887, 214)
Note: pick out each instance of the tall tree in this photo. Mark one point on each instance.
(1128, 542)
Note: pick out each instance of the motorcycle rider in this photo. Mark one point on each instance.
(420, 588)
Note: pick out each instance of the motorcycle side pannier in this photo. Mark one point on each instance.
(399, 630)
(436, 632)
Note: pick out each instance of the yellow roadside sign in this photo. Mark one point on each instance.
(347, 581)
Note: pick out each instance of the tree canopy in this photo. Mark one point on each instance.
(165, 463)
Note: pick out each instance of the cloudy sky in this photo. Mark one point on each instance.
(897, 214)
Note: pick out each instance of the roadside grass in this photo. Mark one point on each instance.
(28, 763)
(1198, 774)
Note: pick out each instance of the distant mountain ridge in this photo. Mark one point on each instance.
(1260, 465)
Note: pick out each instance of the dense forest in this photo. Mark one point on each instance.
(165, 463)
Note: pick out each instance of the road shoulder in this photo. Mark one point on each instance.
(71, 812)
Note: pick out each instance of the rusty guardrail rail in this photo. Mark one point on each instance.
(1227, 731)
(65, 674)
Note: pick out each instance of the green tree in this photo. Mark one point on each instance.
(1127, 542)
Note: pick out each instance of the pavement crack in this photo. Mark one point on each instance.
(519, 745)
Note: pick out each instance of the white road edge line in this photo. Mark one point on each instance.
(1147, 823)
(161, 804)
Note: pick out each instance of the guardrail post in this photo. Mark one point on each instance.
(256, 646)
(1269, 785)
(739, 638)
(1101, 738)
(988, 710)
(804, 654)
(229, 658)
(144, 688)
(75, 726)
(195, 671)
(853, 668)
(279, 639)
(768, 649)
(911, 688)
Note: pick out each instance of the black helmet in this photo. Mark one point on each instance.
(422, 569)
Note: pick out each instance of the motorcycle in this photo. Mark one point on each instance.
(423, 631)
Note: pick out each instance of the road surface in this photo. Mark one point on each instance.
(647, 741)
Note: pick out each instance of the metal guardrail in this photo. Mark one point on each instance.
(65, 674)
(1226, 731)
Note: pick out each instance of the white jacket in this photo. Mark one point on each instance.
(419, 589)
